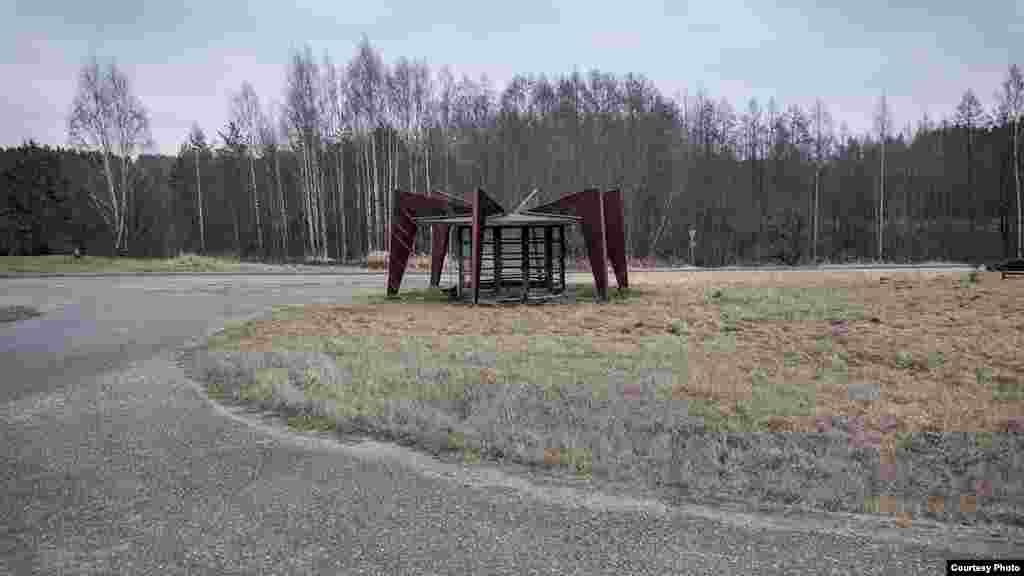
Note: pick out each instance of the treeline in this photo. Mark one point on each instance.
(309, 179)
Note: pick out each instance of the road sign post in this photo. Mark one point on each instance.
(693, 244)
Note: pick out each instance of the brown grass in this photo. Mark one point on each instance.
(978, 328)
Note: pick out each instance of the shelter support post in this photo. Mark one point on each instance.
(525, 243)
(561, 253)
(405, 208)
(477, 240)
(615, 235)
(496, 233)
(459, 243)
(548, 264)
(438, 251)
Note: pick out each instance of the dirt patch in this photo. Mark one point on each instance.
(937, 350)
(840, 390)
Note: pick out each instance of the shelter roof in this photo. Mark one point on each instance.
(521, 218)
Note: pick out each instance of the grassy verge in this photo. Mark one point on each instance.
(815, 390)
(86, 264)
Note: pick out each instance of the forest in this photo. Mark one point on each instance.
(311, 179)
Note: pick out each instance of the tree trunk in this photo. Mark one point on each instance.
(1016, 176)
(283, 211)
(199, 199)
(307, 199)
(368, 205)
(881, 202)
(378, 199)
(817, 193)
(122, 240)
(256, 204)
(341, 232)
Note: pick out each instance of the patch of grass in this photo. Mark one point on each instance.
(615, 295)
(904, 360)
(836, 371)
(723, 343)
(936, 360)
(579, 460)
(228, 337)
(99, 264)
(456, 440)
(471, 455)
(679, 328)
(984, 440)
(17, 313)
(236, 331)
(983, 375)
(969, 279)
(409, 296)
(1009, 391)
(262, 387)
(709, 411)
(872, 505)
(310, 423)
(904, 440)
(781, 399)
(783, 303)
(823, 345)
(791, 359)
(216, 390)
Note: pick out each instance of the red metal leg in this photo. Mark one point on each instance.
(615, 235)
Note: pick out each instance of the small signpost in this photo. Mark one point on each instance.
(693, 243)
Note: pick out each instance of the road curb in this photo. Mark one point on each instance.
(26, 275)
(199, 274)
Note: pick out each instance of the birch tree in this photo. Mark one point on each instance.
(270, 148)
(970, 116)
(339, 133)
(399, 86)
(245, 111)
(445, 118)
(883, 124)
(365, 80)
(422, 101)
(197, 143)
(106, 117)
(821, 122)
(1011, 106)
(304, 119)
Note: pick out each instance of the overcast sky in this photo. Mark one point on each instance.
(185, 58)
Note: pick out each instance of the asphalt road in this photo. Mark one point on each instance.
(113, 462)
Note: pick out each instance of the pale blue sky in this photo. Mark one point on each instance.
(185, 58)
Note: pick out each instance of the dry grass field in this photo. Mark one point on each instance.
(637, 388)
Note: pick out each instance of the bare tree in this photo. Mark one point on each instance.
(246, 113)
(1011, 105)
(822, 126)
(970, 116)
(303, 113)
(339, 133)
(107, 117)
(445, 117)
(270, 146)
(197, 142)
(365, 80)
(883, 124)
(422, 113)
